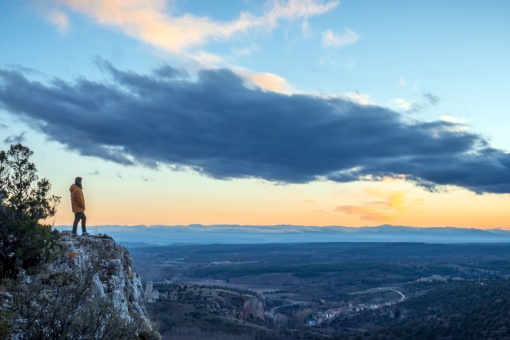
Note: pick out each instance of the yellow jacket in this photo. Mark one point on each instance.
(77, 199)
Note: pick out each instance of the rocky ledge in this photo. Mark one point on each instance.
(114, 277)
(89, 290)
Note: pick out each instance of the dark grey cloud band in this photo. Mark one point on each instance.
(215, 124)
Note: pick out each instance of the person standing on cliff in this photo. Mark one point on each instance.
(78, 206)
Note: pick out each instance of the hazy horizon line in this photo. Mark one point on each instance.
(281, 226)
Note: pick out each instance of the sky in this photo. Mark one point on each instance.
(310, 112)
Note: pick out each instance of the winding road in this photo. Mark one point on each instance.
(273, 310)
(381, 289)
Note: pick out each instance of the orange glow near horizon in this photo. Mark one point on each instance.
(250, 202)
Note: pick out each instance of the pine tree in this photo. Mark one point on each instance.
(22, 195)
(24, 200)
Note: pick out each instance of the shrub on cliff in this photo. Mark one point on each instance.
(24, 200)
(60, 305)
(22, 194)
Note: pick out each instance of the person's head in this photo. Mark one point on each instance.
(77, 181)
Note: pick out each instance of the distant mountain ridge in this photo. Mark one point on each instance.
(141, 235)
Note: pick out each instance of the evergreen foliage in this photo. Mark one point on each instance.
(24, 200)
(22, 194)
(24, 244)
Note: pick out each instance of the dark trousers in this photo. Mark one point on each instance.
(77, 217)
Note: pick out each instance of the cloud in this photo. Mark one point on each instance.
(268, 81)
(402, 81)
(452, 119)
(390, 206)
(247, 50)
(297, 9)
(362, 99)
(59, 19)
(331, 39)
(151, 21)
(214, 124)
(15, 139)
(404, 105)
(431, 99)
(459, 123)
(401, 104)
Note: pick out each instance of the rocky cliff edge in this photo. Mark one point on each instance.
(114, 276)
(89, 290)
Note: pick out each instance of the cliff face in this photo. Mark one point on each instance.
(89, 290)
(113, 275)
(253, 306)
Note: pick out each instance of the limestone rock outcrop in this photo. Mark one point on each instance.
(114, 276)
(89, 290)
(253, 306)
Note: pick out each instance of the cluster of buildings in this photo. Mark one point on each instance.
(327, 315)
(151, 294)
(332, 313)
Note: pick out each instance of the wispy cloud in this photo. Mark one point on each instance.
(15, 139)
(331, 39)
(402, 81)
(432, 99)
(390, 206)
(215, 124)
(357, 97)
(452, 119)
(401, 104)
(59, 19)
(405, 105)
(460, 124)
(152, 22)
(268, 81)
(247, 50)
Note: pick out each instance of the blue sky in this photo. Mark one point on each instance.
(264, 112)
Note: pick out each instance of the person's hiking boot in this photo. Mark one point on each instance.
(75, 234)
(85, 233)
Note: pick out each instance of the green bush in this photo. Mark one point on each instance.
(22, 195)
(24, 200)
(24, 244)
